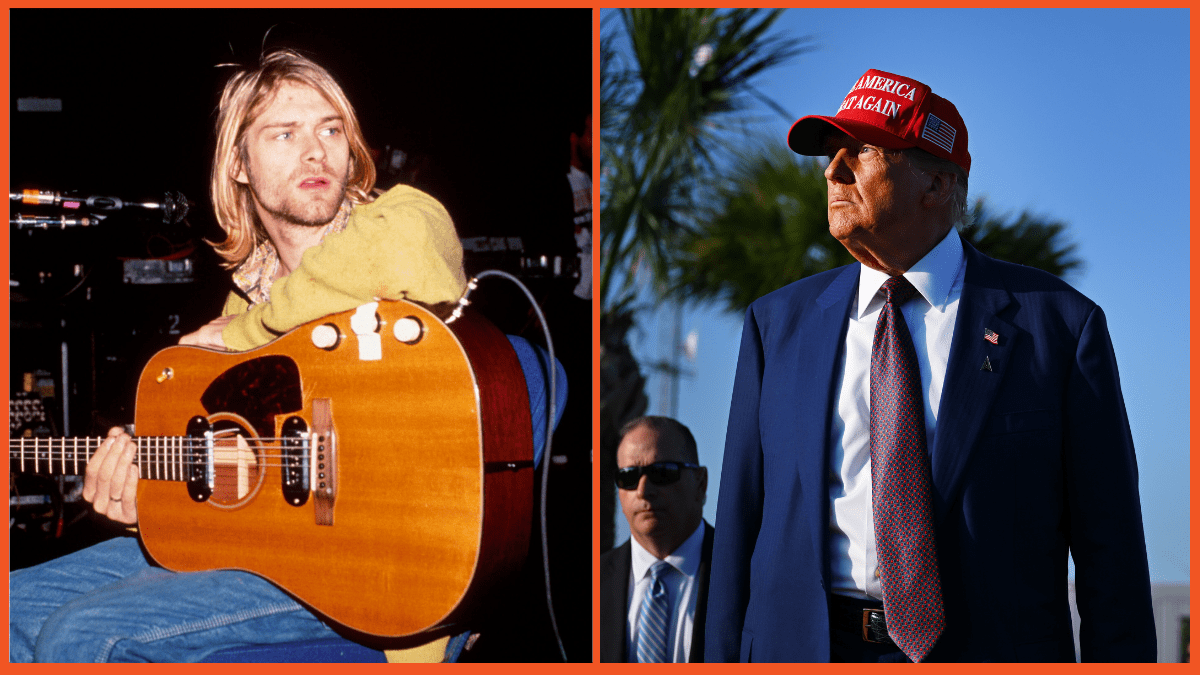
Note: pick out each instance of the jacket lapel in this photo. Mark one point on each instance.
(970, 387)
(824, 331)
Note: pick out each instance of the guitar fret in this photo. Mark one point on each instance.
(158, 457)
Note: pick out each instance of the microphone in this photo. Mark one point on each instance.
(174, 205)
(46, 222)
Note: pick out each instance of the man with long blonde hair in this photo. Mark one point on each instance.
(282, 183)
(292, 184)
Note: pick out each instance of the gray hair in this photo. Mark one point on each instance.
(925, 161)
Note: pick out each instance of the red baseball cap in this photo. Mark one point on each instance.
(892, 112)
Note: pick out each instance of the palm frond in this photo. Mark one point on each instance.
(676, 104)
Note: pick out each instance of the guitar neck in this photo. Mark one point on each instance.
(160, 458)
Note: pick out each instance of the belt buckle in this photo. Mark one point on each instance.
(874, 624)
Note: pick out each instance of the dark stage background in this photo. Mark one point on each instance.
(479, 103)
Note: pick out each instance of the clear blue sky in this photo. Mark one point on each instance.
(1078, 115)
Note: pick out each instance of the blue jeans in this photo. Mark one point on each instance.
(107, 603)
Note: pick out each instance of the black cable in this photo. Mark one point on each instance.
(463, 302)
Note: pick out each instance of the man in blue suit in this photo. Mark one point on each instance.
(918, 440)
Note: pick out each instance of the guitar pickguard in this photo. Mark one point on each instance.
(257, 390)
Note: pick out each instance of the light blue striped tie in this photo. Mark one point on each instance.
(655, 616)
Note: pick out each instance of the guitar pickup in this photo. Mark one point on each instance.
(201, 474)
(296, 461)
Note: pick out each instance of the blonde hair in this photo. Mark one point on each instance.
(246, 95)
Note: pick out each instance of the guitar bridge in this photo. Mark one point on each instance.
(323, 449)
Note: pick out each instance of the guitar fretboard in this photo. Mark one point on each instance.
(160, 458)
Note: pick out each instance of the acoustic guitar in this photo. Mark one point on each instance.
(375, 464)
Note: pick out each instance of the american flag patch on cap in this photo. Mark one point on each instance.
(939, 133)
(991, 336)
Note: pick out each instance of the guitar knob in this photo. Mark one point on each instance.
(408, 330)
(326, 336)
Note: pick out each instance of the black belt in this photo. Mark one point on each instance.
(861, 617)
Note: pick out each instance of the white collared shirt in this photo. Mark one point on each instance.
(680, 581)
(930, 315)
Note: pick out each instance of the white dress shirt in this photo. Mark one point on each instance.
(680, 581)
(930, 315)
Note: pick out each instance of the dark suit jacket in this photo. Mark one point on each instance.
(615, 567)
(1031, 459)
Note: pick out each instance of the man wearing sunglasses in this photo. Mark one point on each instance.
(653, 588)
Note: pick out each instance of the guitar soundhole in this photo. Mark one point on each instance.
(238, 464)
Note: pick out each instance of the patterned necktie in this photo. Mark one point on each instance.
(653, 620)
(900, 478)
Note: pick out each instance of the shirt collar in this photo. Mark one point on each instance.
(257, 273)
(933, 276)
(685, 559)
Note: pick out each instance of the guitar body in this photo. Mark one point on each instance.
(431, 456)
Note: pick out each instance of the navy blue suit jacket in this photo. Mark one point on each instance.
(1031, 459)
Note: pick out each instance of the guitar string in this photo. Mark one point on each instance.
(158, 459)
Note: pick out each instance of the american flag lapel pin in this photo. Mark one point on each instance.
(991, 336)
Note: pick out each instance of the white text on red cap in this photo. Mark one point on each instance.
(885, 84)
(878, 104)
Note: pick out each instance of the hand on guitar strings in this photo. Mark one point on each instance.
(209, 334)
(110, 483)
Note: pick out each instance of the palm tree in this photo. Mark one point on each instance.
(1028, 239)
(769, 228)
(668, 118)
(672, 106)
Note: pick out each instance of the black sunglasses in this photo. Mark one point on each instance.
(659, 473)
